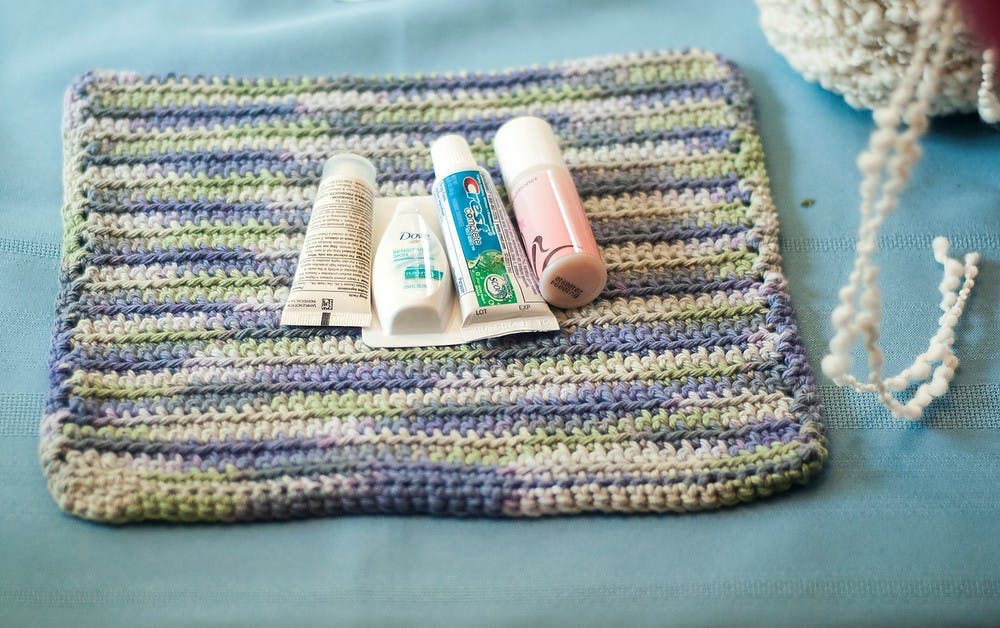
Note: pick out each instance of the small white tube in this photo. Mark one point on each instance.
(332, 285)
(412, 282)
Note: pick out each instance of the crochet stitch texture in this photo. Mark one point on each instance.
(176, 395)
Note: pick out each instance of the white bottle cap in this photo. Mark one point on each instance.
(352, 166)
(524, 143)
(451, 153)
(573, 280)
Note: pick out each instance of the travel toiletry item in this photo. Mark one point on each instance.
(411, 281)
(332, 285)
(554, 228)
(496, 289)
(390, 327)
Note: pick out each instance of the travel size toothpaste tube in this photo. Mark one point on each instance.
(497, 290)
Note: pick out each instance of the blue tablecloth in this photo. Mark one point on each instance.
(903, 526)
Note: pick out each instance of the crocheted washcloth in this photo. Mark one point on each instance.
(176, 395)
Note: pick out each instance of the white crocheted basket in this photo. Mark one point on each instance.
(858, 48)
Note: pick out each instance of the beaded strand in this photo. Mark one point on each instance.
(885, 168)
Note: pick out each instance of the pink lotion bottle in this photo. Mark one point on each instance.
(554, 228)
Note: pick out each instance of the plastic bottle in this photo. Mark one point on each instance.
(412, 283)
(554, 229)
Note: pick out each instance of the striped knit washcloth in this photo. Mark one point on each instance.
(176, 395)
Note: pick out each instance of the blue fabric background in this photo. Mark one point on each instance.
(902, 527)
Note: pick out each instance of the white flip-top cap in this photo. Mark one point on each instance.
(451, 153)
(524, 143)
(350, 165)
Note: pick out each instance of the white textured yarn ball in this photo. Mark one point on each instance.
(858, 48)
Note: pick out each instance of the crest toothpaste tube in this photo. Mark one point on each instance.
(497, 290)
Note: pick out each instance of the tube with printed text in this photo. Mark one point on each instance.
(497, 290)
(332, 284)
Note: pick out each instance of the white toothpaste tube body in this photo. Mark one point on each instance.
(332, 285)
(497, 290)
